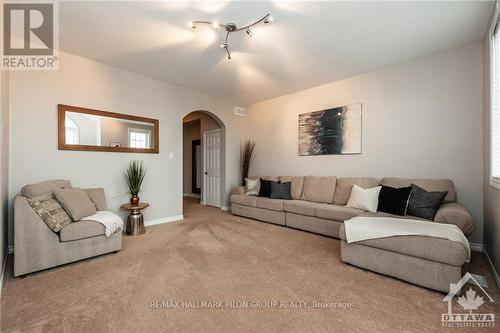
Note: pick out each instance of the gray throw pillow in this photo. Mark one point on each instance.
(98, 198)
(75, 202)
(50, 211)
(424, 204)
(281, 191)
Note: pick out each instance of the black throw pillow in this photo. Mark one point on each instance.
(424, 204)
(281, 190)
(265, 188)
(394, 200)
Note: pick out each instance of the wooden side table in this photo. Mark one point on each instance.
(135, 219)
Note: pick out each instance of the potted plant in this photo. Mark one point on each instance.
(135, 175)
(246, 156)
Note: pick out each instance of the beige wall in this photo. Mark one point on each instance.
(87, 128)
(98, 86)
(421, 118)
(4, 164)
(491, 194)
(207, 123)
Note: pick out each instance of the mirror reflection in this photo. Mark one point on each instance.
(94, 130)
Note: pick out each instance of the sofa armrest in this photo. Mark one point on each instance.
(238, 190)
(457, 214)
(31, 235)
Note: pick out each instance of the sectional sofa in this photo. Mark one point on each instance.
(318, 206)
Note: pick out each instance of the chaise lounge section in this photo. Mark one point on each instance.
(318, 206)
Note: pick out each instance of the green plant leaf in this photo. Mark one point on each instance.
(134, 176)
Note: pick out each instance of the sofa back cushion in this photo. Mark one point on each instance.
(319, 189)
(47, 187)
(297, 185)
(98, 197)
(431, 185)
(272, 178)
(76, 202)
(344, 187)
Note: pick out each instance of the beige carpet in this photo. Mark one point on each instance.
(213, 256)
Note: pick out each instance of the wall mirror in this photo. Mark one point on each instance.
(95, 130)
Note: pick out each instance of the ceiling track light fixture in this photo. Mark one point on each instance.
(231, 27)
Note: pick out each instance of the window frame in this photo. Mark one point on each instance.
(494, 27)
(139, 130)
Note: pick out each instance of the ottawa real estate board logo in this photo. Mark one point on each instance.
(464, 310)
(30, 36)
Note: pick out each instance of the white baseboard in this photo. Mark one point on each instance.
(476, 247)
(225, 207)
(492, 268)
(163, 220)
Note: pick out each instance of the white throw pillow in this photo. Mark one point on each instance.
(252, 186)
(365, 199)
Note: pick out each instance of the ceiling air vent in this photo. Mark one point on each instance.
(240, 111)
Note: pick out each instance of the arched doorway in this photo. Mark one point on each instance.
(204, 159)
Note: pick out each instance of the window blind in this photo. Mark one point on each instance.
(495, 101)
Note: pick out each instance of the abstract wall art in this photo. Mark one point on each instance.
(335, 131)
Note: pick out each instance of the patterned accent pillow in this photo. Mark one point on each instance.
(252, 186)
(50, 211)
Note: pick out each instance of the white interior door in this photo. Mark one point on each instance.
(212, 165)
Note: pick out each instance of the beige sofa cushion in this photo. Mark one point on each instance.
(75, 202)
(81, 230)
(271, 204)
(455, 213)
(47, 187)
(272, 178)
(319, 189)
(98, 197)
(438, 185)
(434, 249)
(300, 207)
(297, 185)
(245, 200)
(336, 212)
(344, 185)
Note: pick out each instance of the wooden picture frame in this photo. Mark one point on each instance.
(62, 109)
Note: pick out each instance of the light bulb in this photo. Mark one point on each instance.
(249, 33)
(223, 46)
(269, 19)
(215, 25)
(191, 25)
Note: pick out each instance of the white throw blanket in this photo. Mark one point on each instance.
(109, 220)
(362, 228)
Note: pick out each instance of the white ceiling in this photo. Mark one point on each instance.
(308, 44)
